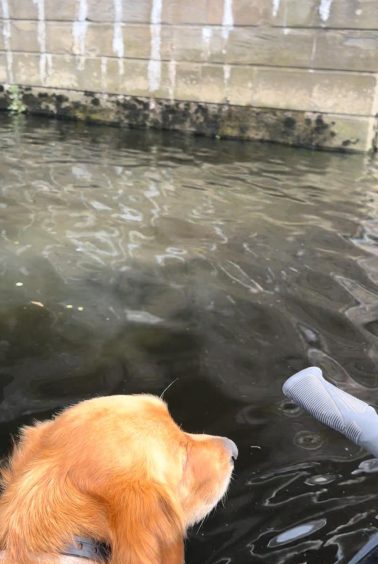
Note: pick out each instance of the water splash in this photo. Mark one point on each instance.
(42, 39)
(118, 45)
(6, 40)
(154, 65)
(79, 30)
(228, 19)
(325, 9)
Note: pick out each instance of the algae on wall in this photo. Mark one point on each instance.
(16, 103)
(314, 60)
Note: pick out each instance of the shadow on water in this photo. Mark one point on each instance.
(130, 260)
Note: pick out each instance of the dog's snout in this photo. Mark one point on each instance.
(231, 447)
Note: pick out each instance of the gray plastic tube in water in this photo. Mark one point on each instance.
(352, 417)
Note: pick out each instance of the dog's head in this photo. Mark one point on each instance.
(120, 469)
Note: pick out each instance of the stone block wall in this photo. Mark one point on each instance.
(301, 72)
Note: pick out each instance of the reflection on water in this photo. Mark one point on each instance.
(298, 532)
(132, 259)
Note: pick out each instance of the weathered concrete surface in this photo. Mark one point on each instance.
(287, 47)
(341, 92)
(350, 93)
(308, 129)
(343, 14)
(261, 59)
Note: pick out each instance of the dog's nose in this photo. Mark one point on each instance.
(231, 447)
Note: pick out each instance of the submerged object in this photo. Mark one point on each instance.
(355, 419)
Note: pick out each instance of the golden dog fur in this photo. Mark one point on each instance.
(116, 469)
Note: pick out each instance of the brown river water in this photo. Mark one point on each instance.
(132, 259)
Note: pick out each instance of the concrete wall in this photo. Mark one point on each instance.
(295, 71)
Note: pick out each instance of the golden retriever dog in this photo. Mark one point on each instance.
(117, 470)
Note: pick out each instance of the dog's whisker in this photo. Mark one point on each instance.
(200, 525)
(167, 388)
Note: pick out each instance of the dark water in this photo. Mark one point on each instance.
(131, 259)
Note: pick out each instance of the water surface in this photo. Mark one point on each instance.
(132, 259)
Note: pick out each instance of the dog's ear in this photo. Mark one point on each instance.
(145, 523)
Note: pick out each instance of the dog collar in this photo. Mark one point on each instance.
(87, 548)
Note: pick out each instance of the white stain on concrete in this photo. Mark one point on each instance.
(6, 40)
(41, 34)
(154, 64)
(207, 34)
(49, 64)
(104, 71)
(313, 52)
(228, 18)
(325, 9)
(79, 31)
(226, 76)
(276, 7)
(118, 44)
(172, 79)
